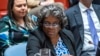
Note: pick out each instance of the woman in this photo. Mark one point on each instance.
(51, 33)
(15, 26)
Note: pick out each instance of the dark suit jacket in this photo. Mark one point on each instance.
(73, 2)
(38, 40)
(98, 50)
(96, 2)
(75, 24)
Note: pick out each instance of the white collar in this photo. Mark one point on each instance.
(83, 8)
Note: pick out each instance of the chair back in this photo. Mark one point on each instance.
(3, 7)
(65, 3)
(16, 50)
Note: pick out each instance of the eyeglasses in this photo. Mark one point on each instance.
(47, 24)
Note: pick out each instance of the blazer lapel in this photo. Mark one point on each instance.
(50, 46)
(97, 10)
(79, 22)
(67, 42)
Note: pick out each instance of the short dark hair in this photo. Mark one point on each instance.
(55, 11)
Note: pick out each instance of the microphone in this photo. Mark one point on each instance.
(94, 44)
(97, 49)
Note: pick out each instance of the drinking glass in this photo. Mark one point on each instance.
(45, 52)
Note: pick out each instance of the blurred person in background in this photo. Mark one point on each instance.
(51, 33)
(15, 26)
(34, 6)
(73, 2)
(35, 3)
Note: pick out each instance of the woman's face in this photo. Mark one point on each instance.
(20, 8)
(51, 26)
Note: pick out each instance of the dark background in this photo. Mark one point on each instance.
(73, 2)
